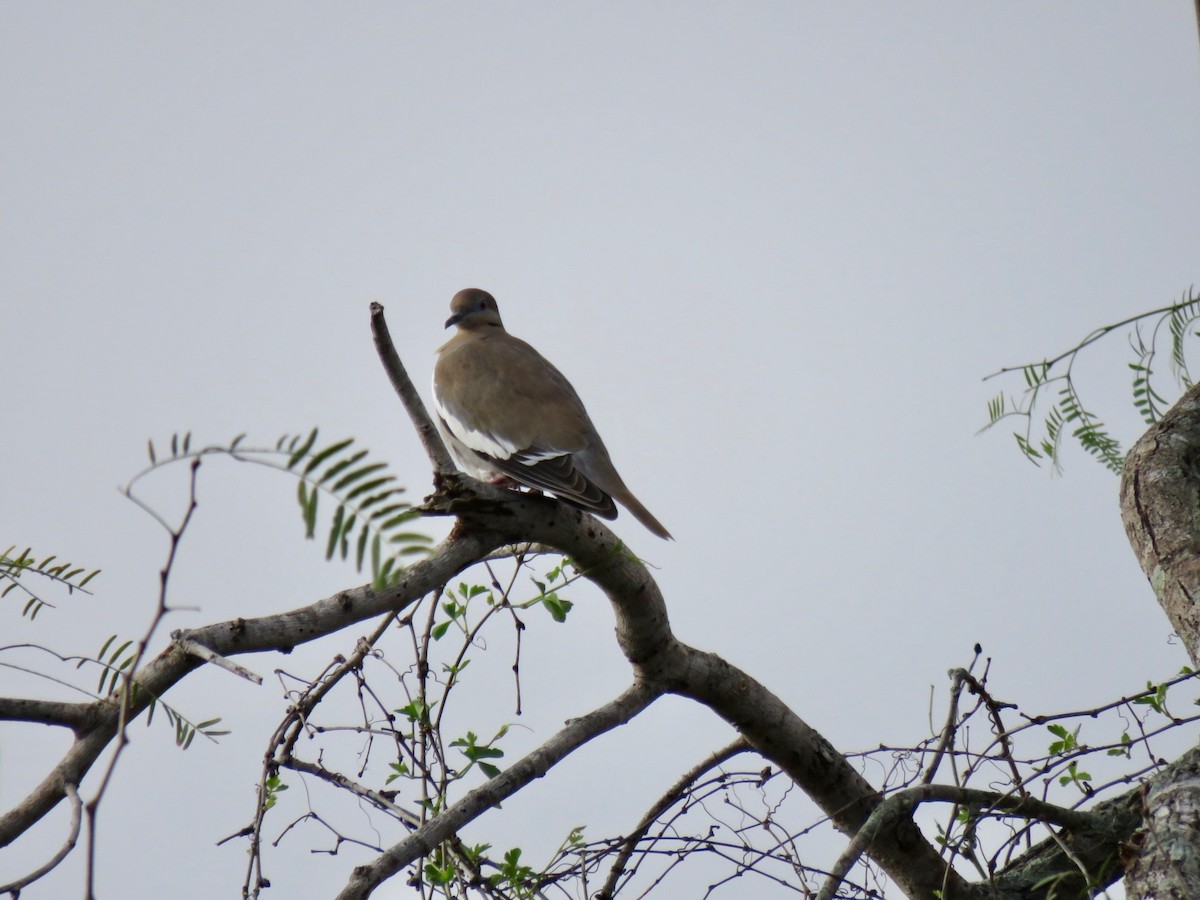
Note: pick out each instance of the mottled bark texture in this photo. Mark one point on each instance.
(1160, 506)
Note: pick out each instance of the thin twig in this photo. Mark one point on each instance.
(426, 430)
(199, 650)
(957, 679)
(1091, 338)
(575, 734)
(665, 802)
(125, 694)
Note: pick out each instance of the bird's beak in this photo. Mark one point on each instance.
(454, 319)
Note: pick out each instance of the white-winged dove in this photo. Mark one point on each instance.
(505, 411)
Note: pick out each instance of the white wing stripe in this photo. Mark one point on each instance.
(479, 441)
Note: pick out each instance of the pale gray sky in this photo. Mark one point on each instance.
(775, 246)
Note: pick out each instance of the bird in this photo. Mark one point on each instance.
(505, 412)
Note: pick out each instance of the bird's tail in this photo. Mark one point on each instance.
(631, 503)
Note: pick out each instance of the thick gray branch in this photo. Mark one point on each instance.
(900, 806)
(76, 716)
(1168, 865)
(644, 634)
(1160, 507)
(658, 657)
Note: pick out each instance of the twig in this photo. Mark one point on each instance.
(575, 734)
(1091, 338)
(125, 695)
(993, 707)
(375, 798)
(199, 650)
(957, 679)
(1072, 856)
(14, 887)
(665, 802)
(426, 430)
(283, 741)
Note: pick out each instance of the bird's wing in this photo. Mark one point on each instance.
(505, 402)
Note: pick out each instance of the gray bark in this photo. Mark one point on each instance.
(1160, 507)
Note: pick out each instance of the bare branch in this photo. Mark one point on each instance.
(577, 732)
(76, 716)
(14, 887)
(426, 430)
(957, 680)
(375, 798)
(281, 631)
(665, 802)
(216, 659)
(900, 807)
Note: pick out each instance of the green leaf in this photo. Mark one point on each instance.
(363, 535)
(368, 486)
(439, 876)
(339, 467)
(376, 545)
(310, 513)
(410, 537)
(557, 607)
(383, 579)
(335, 531)
(303, 449)
(399, 770)
(325, 454)
(408, 515)
(351, 477)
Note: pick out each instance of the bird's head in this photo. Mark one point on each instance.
(473, 308)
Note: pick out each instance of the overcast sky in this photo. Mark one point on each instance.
(775, 246)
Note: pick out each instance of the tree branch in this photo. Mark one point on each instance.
(1160, 494)
(900, 806)
(665, 802)
(577, 732)
(490, 517)
(426, 430)
(495, 517)
(76, 716)
(281, 632)
(14, 887)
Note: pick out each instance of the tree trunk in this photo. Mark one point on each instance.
(1160, 507)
